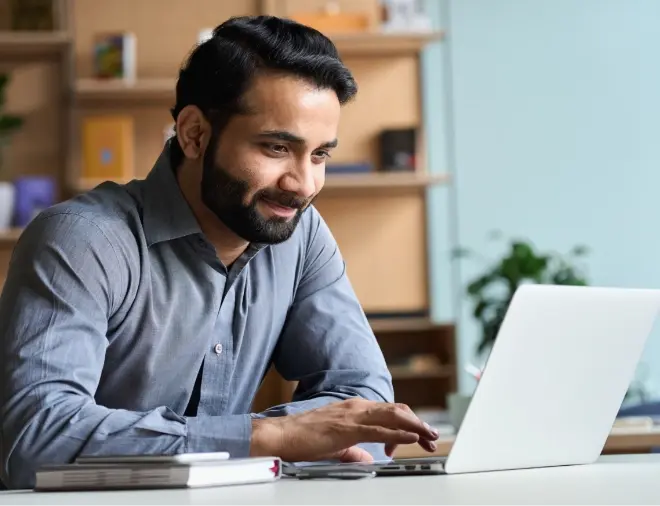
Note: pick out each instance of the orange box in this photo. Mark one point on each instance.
(108, 148)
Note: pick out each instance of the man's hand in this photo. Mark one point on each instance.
(333, 431)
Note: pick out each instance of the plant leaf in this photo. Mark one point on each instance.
(9, 124)
(479, 284)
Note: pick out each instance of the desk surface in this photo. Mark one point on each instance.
(615, 479)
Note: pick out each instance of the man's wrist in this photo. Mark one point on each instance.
(267, 437)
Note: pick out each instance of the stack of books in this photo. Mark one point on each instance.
(175, 471)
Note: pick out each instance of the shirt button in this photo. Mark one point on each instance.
(218, 349)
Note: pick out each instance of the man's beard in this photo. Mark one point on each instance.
(225, 196)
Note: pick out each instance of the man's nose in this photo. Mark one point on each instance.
(300, 180)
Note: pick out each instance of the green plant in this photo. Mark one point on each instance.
(491, 291)
(9, 123)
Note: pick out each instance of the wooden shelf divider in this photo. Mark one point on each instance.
(406, 373)
(10, 236)
(382, 181)
(377, 182)
(19, 44)
(153, 89)
(383, 43)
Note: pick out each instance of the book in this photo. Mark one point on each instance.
(115, 56)
(349, 168)
(107, 476)
(108, 147)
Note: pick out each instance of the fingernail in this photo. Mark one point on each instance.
(433, 446)
(431, 429)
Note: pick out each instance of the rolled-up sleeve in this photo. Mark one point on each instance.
(65, 280)
(327, 344)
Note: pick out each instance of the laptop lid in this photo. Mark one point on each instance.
(555, 379)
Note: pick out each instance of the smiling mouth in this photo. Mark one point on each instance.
(280, 210)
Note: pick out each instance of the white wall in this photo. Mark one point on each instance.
(549, 118)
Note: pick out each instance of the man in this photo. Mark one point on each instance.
(141, 319)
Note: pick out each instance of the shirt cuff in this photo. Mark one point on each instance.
(230, 434)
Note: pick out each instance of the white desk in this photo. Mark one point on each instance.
(613, 480)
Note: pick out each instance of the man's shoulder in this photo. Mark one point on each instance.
(109, 212)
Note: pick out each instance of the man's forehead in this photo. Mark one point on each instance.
(269, 93)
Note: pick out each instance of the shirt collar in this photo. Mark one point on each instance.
(167, 215)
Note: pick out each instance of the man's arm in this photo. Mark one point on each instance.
(65, 280)
(327, 344)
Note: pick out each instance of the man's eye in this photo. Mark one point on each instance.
(278, 148)
(322, 154)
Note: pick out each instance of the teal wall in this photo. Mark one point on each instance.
(547, 113)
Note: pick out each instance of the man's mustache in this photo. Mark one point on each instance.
(284, 199)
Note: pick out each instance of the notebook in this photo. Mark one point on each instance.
(106, 476)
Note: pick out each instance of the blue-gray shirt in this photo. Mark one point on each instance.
(115, 299)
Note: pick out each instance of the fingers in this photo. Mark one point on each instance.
(399, 417)
(390, 449)
(355, 454)
(378, 434)
(429, 446)
(434, 433)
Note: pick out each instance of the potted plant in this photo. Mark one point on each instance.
(492, 290)
(9, 124)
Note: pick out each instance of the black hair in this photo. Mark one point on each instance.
(219, 71)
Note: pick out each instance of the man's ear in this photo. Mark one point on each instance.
(193, 131)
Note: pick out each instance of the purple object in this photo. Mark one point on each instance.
(33, 195)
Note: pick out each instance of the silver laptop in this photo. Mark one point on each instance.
(553, 384)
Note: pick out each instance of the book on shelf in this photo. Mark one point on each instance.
(107, 147)
(115, 56)
(133, 475)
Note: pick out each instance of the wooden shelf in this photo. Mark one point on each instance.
(384, 325)
(150, 90)
(10, 236)
(406, 373)
(18, 44)
(162, 89)
(383, 44)
(381, 182)
(377, 182)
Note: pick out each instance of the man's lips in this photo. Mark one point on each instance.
(279, 209)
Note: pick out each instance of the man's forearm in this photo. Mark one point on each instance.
(74, 427)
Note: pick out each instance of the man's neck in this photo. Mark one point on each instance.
(228, 245)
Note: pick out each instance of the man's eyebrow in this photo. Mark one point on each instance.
(283, 135)
(330, 144)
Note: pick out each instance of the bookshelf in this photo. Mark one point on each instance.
(162, 88)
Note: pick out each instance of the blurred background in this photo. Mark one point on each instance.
(492, 143)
